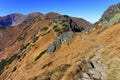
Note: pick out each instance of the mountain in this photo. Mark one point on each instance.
(24, 21)
(40, 35)
(16, 19)
(111, 16)
(59, 47)
(11, 20)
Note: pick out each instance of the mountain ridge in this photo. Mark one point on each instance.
(31, 19)
(12, 20)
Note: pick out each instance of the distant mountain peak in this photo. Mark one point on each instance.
(12, 14)
(36, 13)
(12, 19)
(52, 15)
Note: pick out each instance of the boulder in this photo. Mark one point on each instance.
(66, 36)
(58, 41)
(51, 48)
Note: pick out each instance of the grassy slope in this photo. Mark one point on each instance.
(65, 60)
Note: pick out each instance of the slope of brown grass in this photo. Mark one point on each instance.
(64, 63)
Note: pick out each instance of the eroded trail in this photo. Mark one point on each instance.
(99, 70)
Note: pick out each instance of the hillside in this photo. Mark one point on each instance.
(9, 33)
(61, 47)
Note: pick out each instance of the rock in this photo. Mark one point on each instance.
(67, 24)
(88, 64)
(51, 48)
(75, 28)
(59, 40)
(110, 16)
(110, 12)
(86, 79)
(66, 36)
(85, 75)
(54, 46)
(103, 75)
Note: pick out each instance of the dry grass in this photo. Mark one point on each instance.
(61, 63)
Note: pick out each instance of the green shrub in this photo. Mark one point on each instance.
(62, 68)
(50, 24)
(44, 29)
(20, 38)
(56, 29)
(64, 25)
(46, 65)
(40, 55)
(63, 21)
(26, 45)
(46, 33)
(7, 62)
(14, 69)
(35, 39)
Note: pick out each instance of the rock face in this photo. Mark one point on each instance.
(110, 16)
(65, 23)
(65, 28)
(59, 40)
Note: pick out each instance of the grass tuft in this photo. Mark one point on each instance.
(40, 55)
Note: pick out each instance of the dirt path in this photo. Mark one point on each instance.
(100, 70)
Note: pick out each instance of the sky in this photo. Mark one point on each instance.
(91, 10)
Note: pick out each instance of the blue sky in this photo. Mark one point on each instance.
(90, 10)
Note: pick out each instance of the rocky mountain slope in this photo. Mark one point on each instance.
(59, 48)
(8, 32)
(110, 16)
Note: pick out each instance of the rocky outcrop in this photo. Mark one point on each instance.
(65, 28)
(65, 23)
(110, 16)
(59, 40)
